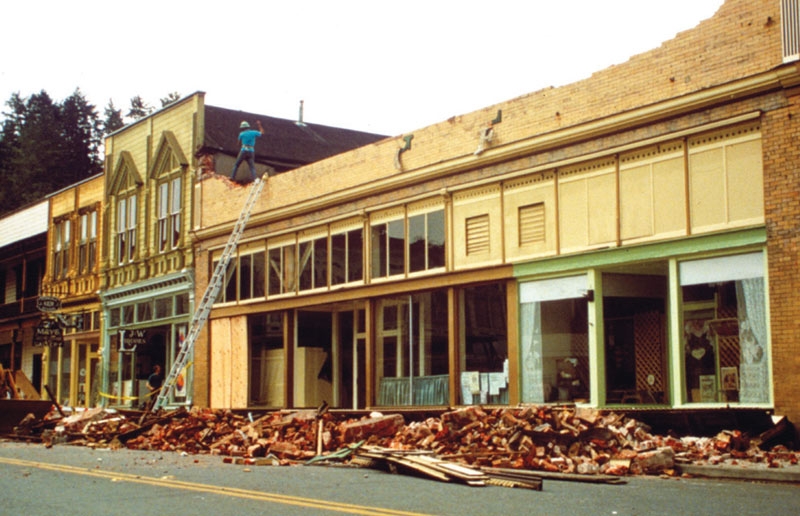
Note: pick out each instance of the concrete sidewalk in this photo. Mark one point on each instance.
(751, 472)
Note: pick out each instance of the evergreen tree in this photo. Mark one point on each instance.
(139, 108)
(8, 144)
(46, 146)
(9, 151)
(113, 118)
(37, 162)
(80, 143)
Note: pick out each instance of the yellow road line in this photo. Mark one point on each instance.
(205, 488)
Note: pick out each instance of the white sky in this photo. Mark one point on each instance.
(373, 65)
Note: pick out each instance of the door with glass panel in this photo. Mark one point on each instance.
(411, 359)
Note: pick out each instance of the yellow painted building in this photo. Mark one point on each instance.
(72, 276)
(147, 287)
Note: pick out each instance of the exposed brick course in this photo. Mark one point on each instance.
(782, 210)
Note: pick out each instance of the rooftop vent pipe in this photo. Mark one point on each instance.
(300, 115)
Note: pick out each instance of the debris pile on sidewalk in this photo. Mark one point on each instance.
(558, 440)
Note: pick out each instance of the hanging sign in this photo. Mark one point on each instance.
(48, 304)
(48, 333)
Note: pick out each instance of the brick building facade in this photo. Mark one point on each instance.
(628, 239)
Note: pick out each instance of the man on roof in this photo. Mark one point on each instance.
(247, 152)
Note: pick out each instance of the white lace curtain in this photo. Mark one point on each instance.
(753, 380)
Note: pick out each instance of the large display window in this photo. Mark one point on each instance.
(484, 345)
(725, 352)
(554, 340)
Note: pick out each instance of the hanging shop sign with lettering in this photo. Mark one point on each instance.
(48, 304)
(48, 332)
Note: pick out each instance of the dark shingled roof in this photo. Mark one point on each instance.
(285, 144)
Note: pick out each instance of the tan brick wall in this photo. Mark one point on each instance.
(782, 209)
(742, 38)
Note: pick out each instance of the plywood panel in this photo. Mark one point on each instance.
(669, 196)
(726, 178)
(743, 164)
(239, 362)
(229, 362)
(587, 205)
(636, 202)
(707, 188)
(220, 363)
(573, 216)
(602, 193)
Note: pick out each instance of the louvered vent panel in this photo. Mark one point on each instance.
(531, 224)
(478, 235)
(790, 29)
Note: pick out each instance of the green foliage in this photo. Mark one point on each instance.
(139, 108)
(170, 98)
(46, 146)
(113, 118)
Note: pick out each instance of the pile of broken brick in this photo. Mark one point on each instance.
(546, 439)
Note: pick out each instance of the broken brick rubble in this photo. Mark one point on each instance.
(555, 439)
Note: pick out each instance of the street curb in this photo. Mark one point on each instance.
(741, 473)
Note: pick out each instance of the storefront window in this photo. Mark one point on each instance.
(181, 304)
(281, 278)
(426, 241)
(554, 340)
(252, 282)
(484, 345)
(163, 307)
(60, 379)
(313, 264)
(634, 308)
(347, 254)
(388, 248)
(725, 330)
(144, 311)
(411, 350)
(114, 316)
(228, 291)
(128, 314)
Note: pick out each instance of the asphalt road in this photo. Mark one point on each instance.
(73, 480)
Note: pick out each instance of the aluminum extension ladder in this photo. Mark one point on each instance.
(212, 290)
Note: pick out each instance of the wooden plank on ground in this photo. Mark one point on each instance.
(427, 464)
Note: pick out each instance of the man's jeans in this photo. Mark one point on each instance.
(250, 157)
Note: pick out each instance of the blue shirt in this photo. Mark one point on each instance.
(248, 139)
